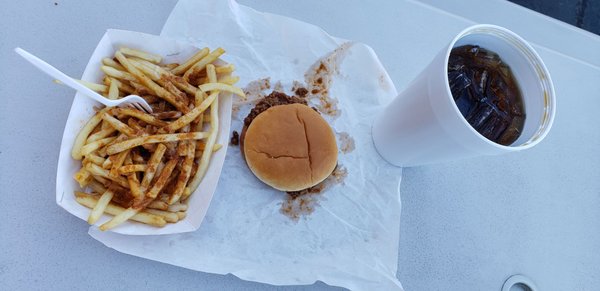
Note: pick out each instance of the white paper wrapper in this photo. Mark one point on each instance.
(351, 238)
(82, 110)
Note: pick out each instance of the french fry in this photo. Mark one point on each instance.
(184, 175)
(160, 92)
(97, 186)
(170, 66)
(190, 116)
(140, 54)
(90, 147)
(100, 206)
(111, 63)
(113, 90)
(177, 207)
(102, 133)
(206, 155)
(229, 80)
(168, 216)
(118, 162)
(153, 166)
(222, 87)
(168, 114)
(118, 125)
(94, 159)
(120, 218)
(140, 115)
(158, 138)
(160, 205)
(99, 171)
(112, 209)
(128, 169)
(162, 179)
(201, 147)
(95, 87)
(225, 69)
(83, 177)
(123, 75)
(190, 62)
(199, 66)
(162, 76)
(84, 133)
(150, 161)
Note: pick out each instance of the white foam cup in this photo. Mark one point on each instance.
(423, 125)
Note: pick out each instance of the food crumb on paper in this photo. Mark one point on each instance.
(278, 87)
(346, 142)
(319, 79)
(303, 203)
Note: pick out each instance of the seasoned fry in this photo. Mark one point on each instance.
(117, 162)
(150, 161)
(118, 125)
(160, 92)
(99, 171)
(83, 177)
(153, 166)
(184, 175)
(94, 159)
(162, 179)
(132, 169)
(190, 62)
(84, 133)
(190, 116)
(160, 205)
(168, 114)
(159, 138)
(163, 76)
(101, 134)
(90, 147)
(199, 66)
(205, 159)
(112, 209)
(140, 115)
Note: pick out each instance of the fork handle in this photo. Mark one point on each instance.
(55, 73)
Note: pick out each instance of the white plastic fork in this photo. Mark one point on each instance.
(134, 101)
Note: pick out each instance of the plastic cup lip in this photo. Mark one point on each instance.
(542, 72)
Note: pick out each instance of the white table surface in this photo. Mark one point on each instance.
(466, 225)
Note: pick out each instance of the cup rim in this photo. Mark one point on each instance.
(542, 72)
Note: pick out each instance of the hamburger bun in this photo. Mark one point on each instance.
(290, 147)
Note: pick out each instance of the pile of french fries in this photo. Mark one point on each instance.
(144, 167)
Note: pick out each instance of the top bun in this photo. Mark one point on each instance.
(290, 147)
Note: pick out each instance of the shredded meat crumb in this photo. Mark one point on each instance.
(235, 138)
(274, 99)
